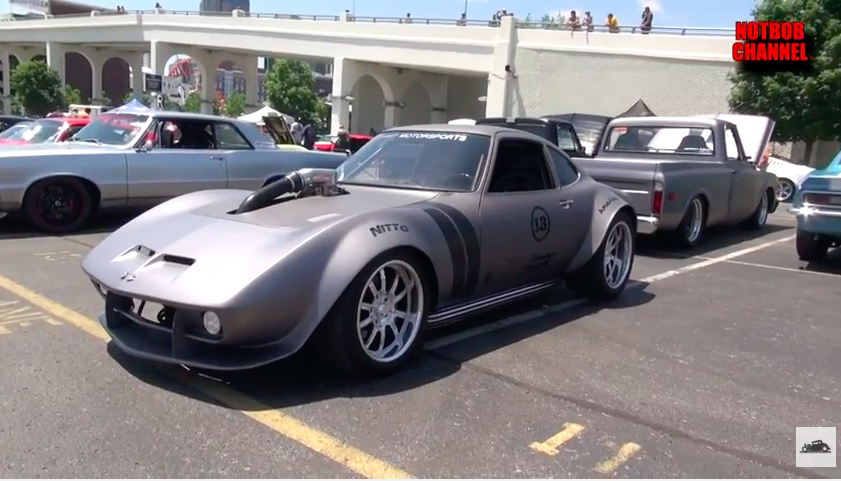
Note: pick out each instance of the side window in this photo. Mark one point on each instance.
(520, 166)
(71, 131)
(732, 145)
(229, 138)
(565, 141)
(567, 173)
(186, 134)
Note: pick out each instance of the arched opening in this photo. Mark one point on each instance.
(190, 73)
(229, 80)
(116, 81)
(367, 106)
(78, 73)
(40, 58)
(417, 108)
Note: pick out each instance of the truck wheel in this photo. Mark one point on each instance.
(759, 217)
(691, 229)
(379, 321)
(57, 205)
(605, 275)
(811, 247)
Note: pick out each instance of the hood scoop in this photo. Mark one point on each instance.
(141, 258)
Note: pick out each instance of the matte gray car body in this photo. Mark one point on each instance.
(273, 274)
(134, 175)
(731, 186)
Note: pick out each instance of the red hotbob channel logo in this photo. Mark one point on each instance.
(772, 46)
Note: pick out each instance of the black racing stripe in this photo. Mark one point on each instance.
(456, 247)
(471, 244)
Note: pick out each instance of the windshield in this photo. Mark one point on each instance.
(14, 130)
(447, 161)
(112, 129)
(38, 132)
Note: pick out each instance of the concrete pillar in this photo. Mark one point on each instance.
(7, 86)
(159, 54)
(500, 79)
(97, 64)
(137, 77)
(345, 73)
(249, 64)
(392, 114)
(436, 86)
(55, 59)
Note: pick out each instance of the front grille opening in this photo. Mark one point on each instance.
(153, 313)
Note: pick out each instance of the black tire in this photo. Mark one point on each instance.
(811, 247)
(692, 227)
(785, 190)
(338, 341)
(825, 449)
(759, 218)
(75, 209)
(591, 279)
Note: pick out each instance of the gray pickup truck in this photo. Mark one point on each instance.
(684, 174)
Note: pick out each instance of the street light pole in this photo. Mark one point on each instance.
(465, 8)
(353, 8)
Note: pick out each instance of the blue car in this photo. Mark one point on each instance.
(817, 205)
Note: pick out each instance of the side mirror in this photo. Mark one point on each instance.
(148, 146)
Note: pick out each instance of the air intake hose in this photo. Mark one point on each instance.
(292, 182)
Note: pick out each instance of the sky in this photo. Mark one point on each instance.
(668, 13)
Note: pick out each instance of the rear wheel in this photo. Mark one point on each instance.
(605, 275)
(379, 321)
(58, 205)
(691, 229)
(811, 247)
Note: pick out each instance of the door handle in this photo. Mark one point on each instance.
(734, 171)
(565, 204)
(216, 157)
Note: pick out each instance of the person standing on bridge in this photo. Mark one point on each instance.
(612, 23)
(647, 19)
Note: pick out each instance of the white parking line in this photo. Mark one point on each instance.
(528, 316)
(779, 268)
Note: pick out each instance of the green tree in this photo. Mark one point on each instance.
(548, 20)
(235, 104)
(72, 96)
(193, 103)
(105, 101)
(804, 105)
(37, 88)
(289, 89)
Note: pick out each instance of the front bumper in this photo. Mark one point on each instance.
(647, 224)
(180, 344)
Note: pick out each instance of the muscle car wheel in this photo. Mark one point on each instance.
(692, 227)
(785, 189)
(811, 247)
(604, 276)
(58, 205)
(379, 321)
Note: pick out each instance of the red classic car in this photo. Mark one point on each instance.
(46, 131)
(326, 143)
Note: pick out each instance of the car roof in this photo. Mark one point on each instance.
(489, 130)
(76, 120)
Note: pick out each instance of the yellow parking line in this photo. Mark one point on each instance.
(551, 445)
(318, 441)
(622, 456)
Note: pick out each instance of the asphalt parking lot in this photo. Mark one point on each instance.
(703, 369)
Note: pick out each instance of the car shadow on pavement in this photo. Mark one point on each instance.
(714, 239)
(302, 380)
(102, 223)
(830, 265)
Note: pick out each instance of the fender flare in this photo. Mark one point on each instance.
(608, 204)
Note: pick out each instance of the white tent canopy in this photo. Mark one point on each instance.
(257, 117)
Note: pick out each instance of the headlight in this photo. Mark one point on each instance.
(212, 324)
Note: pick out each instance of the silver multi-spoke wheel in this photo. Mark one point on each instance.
(696, 220)
(784, 190)
(618, 254)
(390, 311)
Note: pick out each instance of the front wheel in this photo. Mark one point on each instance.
(811, 247)
(379, 321)
(605, 275)
(57, 206)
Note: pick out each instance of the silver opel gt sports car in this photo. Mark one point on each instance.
(423, 226)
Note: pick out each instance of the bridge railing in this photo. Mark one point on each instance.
(401, 20)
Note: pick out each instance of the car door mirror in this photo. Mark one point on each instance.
(147, 146)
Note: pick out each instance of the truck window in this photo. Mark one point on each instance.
(520, 166)
(731, 145)
(565, 140)
(661, 140)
